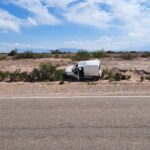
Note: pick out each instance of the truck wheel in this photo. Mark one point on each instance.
(96, 78)
(70, 78)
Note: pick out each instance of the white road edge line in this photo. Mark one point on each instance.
(72, 97)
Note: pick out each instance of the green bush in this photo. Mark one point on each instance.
(57, 51)
(82, 55)
(12, 52)
(31, 55)
(99, 54)
(23, 76)
(3, 57)
(14, 76)
(3, 76)
(59, 74)
(34, 75)
(45, 72)
(17, 76)
(25, 55)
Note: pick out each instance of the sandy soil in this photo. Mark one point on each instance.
(135, 64)
(107, 63)
(131, 87)
(74, 89)
(29, 64)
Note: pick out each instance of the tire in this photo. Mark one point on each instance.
(96, 78)
(69, 78)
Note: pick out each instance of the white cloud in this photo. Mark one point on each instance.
(130, 42)
(30, 22)
(127, 15)
(88, 13)
(38, 10)
(119, 13)
(10, 22)
(136, 34)
(130, 17)
(58, 3)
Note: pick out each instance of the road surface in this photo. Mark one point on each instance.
(96, 123)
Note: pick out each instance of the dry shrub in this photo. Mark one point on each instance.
(128, 56)
(112, 75)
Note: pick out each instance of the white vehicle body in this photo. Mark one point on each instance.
(90, 69)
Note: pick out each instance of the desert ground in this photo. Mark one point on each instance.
(133, 67)
(107, 63)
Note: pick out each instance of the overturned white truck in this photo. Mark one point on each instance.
(90, 69)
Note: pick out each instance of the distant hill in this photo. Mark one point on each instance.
(73, 50)
(40, 50)
(35, 50)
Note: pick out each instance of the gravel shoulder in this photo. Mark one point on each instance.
(74, 89)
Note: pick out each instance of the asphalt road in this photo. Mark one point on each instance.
(75, 124)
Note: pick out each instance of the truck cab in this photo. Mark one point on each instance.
(90, 69)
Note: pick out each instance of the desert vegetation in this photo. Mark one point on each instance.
(145, 54)
(79, 55)
(48, 72)
(113, 75)
(100, 54)
(128, 56)
(2, 57)
(14, 54)
(14, 67)
(31, 55)
(45, 72)
(85, 55)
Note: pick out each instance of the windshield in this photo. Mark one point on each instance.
(74, 67)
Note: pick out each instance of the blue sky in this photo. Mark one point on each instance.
(84, 24)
